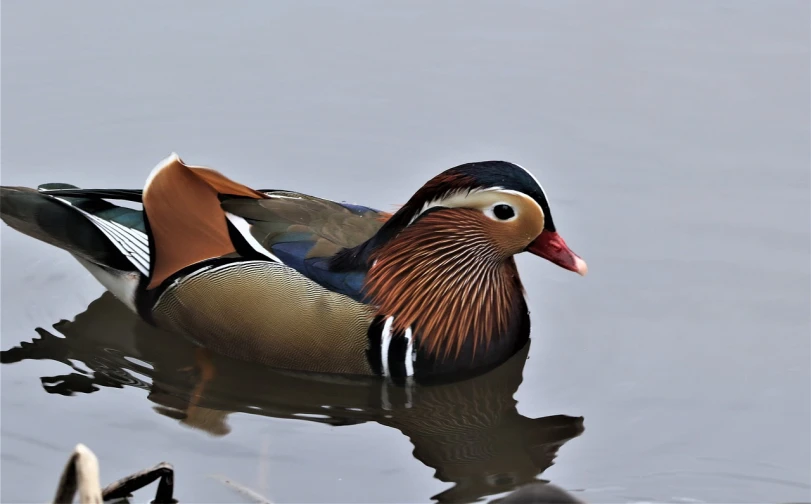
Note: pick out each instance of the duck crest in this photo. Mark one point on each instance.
(443, 278)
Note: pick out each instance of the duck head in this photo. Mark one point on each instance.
(508, 203)
(443, 264)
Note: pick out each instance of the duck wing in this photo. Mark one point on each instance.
(186, 205)
(304, 232)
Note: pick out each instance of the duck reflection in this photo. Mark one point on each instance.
(469, 431)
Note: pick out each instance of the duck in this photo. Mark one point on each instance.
(428, 293)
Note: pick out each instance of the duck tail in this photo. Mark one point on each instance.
(65, 222)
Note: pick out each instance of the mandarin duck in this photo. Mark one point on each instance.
(292, 281)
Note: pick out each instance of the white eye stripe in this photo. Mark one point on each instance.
(458, 199)
(446, 200)
(513, 192)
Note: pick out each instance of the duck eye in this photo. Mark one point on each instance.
(503, 212)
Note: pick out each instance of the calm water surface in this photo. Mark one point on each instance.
(671, 137)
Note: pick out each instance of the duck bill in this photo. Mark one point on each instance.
(551, 247)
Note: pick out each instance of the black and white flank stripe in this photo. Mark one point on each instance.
(391, 354)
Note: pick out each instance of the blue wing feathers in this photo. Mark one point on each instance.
(294, 254)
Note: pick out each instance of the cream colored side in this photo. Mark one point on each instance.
(269, 313)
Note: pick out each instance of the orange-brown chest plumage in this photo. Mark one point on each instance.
(447, 279)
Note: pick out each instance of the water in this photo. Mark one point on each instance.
(671, 137)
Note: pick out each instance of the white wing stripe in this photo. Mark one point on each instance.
(125, 243)
(131, 244)
(138, 235)
(125, 236)
(245, 230)
(143, 248)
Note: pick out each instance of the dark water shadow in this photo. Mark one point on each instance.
(470, 432)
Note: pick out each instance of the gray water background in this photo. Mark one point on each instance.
(672, 138)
